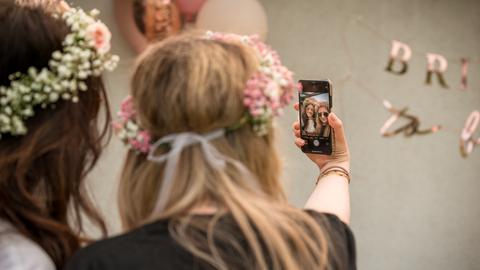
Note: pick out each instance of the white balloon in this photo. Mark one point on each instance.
(244, 17)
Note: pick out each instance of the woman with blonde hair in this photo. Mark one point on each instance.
(200, 187)
(309, 123)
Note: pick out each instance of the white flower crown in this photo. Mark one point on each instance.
(85, 53)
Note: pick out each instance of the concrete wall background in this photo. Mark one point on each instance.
(415, 202)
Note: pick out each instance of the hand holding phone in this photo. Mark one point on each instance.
(340, 156)
(315, 101)
(325, 144)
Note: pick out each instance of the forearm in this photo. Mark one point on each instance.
(331, 195)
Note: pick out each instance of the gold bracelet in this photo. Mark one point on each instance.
(337, 171)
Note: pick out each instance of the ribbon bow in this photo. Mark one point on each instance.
(180, 141)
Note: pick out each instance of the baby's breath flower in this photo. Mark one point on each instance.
(67, 69)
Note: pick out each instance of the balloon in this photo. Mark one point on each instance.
(244, 17)
(161, 19)
(189, 8)
(124, 15)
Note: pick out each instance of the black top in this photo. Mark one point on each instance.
(151, 247)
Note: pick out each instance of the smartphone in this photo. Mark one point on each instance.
(315, 103)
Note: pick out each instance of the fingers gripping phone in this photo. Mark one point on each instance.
(315, 103)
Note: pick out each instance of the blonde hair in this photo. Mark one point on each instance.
(189, 83)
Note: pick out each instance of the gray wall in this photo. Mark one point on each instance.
(414, 201)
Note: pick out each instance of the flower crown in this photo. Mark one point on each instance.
(85, 53)
(267, 92)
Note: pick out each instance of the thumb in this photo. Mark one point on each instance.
(337, 126)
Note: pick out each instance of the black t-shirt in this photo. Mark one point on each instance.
(152, 247)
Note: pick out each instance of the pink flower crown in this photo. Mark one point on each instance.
(267, 92)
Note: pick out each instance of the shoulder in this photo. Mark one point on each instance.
(327, 219)
(332, 225)
(126, 251)
(340, 238)
(19, 252)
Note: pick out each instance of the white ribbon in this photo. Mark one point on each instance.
(178, 142)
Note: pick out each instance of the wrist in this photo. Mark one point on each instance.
(339, 165)
(335, 171)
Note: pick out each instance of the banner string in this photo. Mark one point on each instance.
(361, 22)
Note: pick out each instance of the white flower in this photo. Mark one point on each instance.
(73, 85)
(8, 110)
(53, 97)
(4, 119)
(67, 58)
(63, 71)
(131, 126)
(272, 91)
(28, 111)
(101, 36)
(85, 54)
(266, 70)
(39, 98)
(82, 86)
(27, 98)
(122, 134)
(82, 75)
(65, 84)
(53, 63)
(36, 86)
(66, 96)
(85, 65)
(57, 55)
(115, 58)
(32, 71)
(43, 75)
(70, 39)
(94, 12)
(56, 86)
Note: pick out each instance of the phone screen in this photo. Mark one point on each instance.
(315, 102)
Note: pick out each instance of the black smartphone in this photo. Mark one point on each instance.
(315, 103)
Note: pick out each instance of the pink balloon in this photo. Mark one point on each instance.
(189, 8)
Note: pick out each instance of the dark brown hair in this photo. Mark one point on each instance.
(42, 173)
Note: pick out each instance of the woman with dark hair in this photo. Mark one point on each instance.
(323, 129)
(51, 93)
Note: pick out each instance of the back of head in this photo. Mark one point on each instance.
(42, 172)
(191, 83)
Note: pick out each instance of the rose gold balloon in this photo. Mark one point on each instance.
(189, 8)
(161, 19)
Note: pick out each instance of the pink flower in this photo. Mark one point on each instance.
(145, 137)
(127, 111)
(300, 87)
(101, 36)
(142, 142)
(117, 126)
